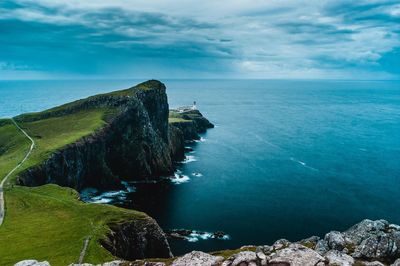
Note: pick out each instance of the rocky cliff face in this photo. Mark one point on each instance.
(138, 143)
(137, 239)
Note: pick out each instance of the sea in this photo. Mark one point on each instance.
(286, 159)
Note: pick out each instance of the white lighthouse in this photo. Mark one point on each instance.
(194, 107)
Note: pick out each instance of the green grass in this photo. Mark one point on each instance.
(54, 133)
(176, 117)
(50, 223)
(13, 146)
(173, 120)
(229, 252)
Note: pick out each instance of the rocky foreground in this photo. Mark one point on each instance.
(369, 243)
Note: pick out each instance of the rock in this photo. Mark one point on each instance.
(198, 258)
(295, 255)
(394, 227)
(396, 263)
(261, 256)
(137, 239)
(321, 247)
(357, 233)
(243, 257)
(264, 249)
(335, 240)
(32, 263)
(379, 246)
(310, 242)
(373, 263)
(281, 243)
(154, 264)
(337, 258)
(218, 235)
(113, 263)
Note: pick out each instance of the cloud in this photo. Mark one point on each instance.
(186, 38)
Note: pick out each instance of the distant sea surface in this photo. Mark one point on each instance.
(287, 159)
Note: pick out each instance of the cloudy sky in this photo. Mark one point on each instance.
(199, 39)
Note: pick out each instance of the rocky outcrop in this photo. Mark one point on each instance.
(137, 143)
(137, 239)
(198, 258)
(367, 243)
(32, 263)
(192, 123)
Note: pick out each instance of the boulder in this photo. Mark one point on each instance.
(113, 263)
(244, 257)
(396, 263)
(281, 243)
(296, 255)
(321, 247)
(373, 263)
(154, 264)
(198, 258)
(337, 258)
(335, 240)
(32, 263)
(357, 233)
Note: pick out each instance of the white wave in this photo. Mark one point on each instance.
(179, 178)
(129, 187)
(197, 174)
(195, 236)
(303, 164)
(189, 159)
(200, 140)
(100, 200)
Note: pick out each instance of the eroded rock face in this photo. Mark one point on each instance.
(137, 239)
(198, 258)
(137, 143)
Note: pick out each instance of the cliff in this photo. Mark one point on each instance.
(136, 142)
(137, 238)
(99, 142)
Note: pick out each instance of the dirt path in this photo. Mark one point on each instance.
(83, 252)
(2, 209)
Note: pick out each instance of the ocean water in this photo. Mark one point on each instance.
(287, 159)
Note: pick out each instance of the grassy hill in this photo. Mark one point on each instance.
(49, 222)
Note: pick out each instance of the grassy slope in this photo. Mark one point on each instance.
(49, 223)
(54, 133)
(176, 117)
(13, 146)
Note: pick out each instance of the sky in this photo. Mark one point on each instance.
(271, 39)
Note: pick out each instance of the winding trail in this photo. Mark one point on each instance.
(2, 209)
(83, 252)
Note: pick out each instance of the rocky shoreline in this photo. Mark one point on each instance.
(368, 243)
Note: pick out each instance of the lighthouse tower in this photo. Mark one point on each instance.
(194, 107)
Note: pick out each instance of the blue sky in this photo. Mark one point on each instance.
(199, 39)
